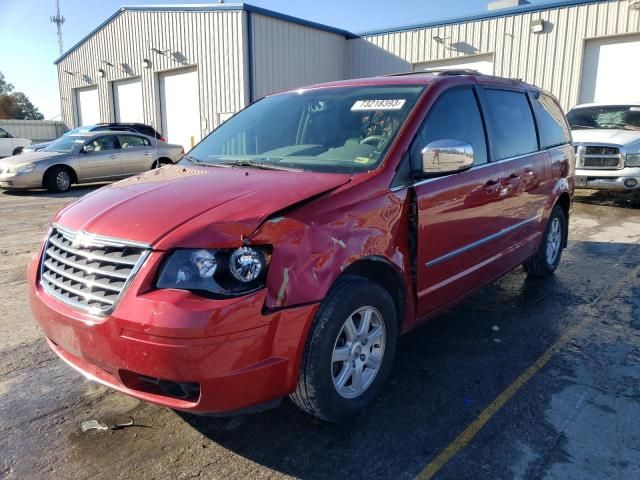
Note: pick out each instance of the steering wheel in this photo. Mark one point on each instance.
(371, 139)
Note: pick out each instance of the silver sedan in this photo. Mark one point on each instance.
(86, 157)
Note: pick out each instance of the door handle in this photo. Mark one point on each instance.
(147, 153)
(491, 186)
(112, 156)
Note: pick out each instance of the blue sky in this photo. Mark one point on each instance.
(29, 44)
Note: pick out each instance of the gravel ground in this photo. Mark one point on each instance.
(575, 417)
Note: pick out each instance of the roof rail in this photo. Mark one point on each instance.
(440, 73)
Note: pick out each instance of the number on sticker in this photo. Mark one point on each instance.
(367, 105)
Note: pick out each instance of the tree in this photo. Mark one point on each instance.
(16, 104)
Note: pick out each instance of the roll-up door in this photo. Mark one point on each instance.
(180, 107)
(127, 99)
(88, 106)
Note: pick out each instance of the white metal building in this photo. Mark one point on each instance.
(186, 68)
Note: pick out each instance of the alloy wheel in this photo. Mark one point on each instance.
(63, 181)
(554, 239)
(358, 352)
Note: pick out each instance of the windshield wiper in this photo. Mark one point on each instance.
(582, 126)
(199, 162)
(263, 166)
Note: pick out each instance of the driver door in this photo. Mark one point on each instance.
(103, 163)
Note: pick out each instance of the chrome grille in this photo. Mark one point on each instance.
(598, 157)
(88, 271)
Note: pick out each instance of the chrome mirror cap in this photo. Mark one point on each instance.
(446, 156)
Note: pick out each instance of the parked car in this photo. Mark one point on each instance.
(113, 126)
(10, 145)
(607, 140)
(286, 253)
(86, 157)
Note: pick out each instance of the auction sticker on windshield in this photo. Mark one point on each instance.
(366, 105)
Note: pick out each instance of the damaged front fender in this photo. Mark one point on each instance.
(313, 245)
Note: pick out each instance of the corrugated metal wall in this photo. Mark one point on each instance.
(551, 60)
(287, 55)
(214, 41)
(34, 130)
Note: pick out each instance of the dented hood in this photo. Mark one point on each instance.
(193, 206)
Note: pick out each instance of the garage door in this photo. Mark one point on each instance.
(610, 70)
(180, 107)
(481, 63)
(127, 99)
(88, 106)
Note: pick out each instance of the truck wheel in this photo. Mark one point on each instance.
(545, 261)
(57, 180)
(349, 350)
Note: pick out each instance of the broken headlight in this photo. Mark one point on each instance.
(220, 273)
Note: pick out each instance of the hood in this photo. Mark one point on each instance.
(613, 136)
(213, 206)
(29, 157)
(37, 146)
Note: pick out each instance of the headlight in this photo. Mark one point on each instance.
(633, 160)
(24, 168)
(223, 273)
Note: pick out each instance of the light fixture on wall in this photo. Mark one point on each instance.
(106, 62)
(101, 73)
(146, 63)
(635, 6)
(439, 39)
(73, 74)
(160, 52)
(537, 26)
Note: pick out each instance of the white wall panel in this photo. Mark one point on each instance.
(288, 55)
(551, 60)
(212, 40)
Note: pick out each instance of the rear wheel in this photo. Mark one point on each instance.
(161, 162)
(58, 180)
(349, 351)
(545, 261)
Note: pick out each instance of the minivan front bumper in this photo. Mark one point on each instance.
(177, 349)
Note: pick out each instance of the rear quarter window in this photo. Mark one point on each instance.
(514, 131)
(552, 124)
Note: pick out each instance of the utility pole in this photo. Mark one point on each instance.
(58, 20)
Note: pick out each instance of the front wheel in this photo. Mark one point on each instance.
(58, 180)
(545, 261)
(349, 351)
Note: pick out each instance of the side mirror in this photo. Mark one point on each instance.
(88, 149)
(446, 156)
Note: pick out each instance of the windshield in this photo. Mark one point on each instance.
(65, 144)
(624, 117)
(346, 129)
(86, 129)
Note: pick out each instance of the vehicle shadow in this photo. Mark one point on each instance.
(445, 373)
(608, 199)
(74, 191)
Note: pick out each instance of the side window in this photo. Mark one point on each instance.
(102, 144)
(514, 130)
(552, 125)
(455, 116)
(133, 141)
(4, 134)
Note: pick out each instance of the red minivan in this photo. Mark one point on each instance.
(289, 249)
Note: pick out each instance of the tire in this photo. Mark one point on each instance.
(635, 198)
(545, 261)
(58, 180)
(161, 162)
(17, 151)
(319, 391)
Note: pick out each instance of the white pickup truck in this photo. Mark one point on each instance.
(10, 145)
(607, 142)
